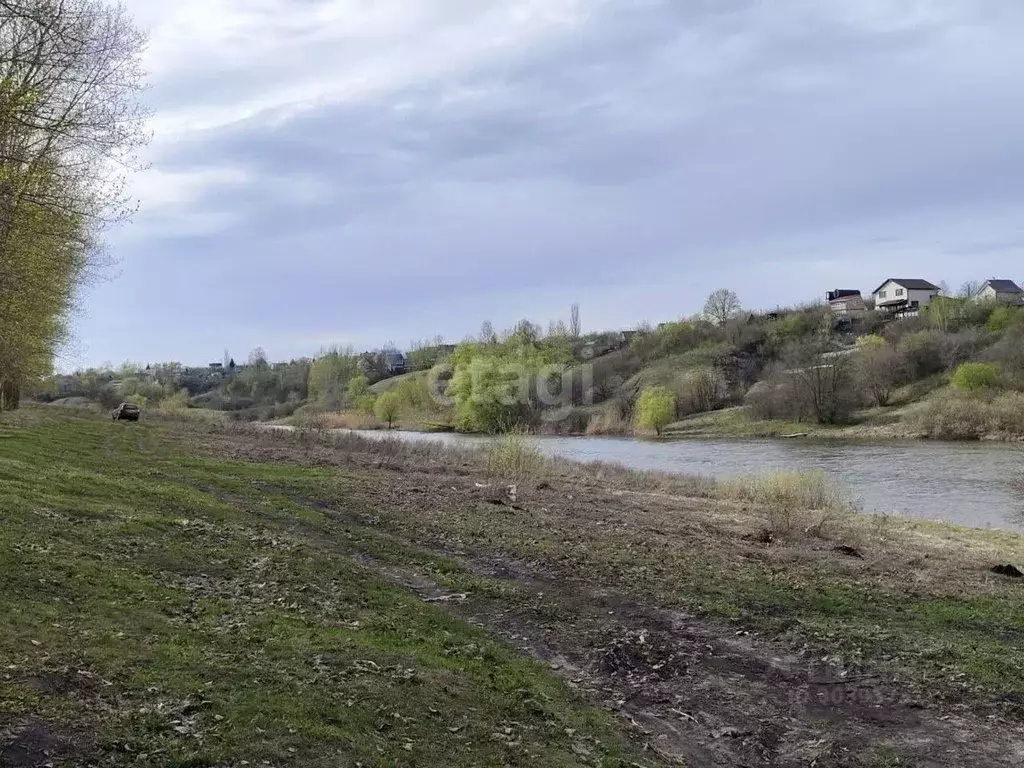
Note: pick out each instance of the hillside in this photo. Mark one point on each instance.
(955, 372)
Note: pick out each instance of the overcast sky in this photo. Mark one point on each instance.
(359, 171)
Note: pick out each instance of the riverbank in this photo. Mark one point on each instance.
(391, 595)
(884, 424)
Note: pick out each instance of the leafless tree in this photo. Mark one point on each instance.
(879, 370)
(969, 289)
(574, 321)
(72, 76)
(487, 334)
(258, 358)
(702, 391)
(722, 305)
(823, 384)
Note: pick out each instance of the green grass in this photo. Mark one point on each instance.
(166, 609)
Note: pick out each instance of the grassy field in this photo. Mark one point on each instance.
(164, 608)
(182, 594)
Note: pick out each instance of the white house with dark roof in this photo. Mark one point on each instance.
(904, 296)
(1003, 291)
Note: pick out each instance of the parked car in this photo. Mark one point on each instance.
(126, 412)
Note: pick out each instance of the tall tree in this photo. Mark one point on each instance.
(70, 123)
(575, 329)
(969, 289)
(722, 305)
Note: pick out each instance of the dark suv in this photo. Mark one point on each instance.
(126, 412)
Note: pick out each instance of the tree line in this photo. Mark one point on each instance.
(70, 124)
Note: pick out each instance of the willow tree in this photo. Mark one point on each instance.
(70, 125)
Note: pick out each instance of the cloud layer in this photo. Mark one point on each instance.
(365, 170)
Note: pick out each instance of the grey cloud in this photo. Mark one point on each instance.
(657, 134)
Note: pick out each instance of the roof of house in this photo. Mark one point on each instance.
(1003, 286)
(842, 293)
(913, 284)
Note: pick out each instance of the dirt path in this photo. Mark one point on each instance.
(696, 691)
(703, 696)
(700, 694)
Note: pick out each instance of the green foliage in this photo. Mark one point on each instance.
(655, 409)
(330, 374)
(123, 556)
(68, 80)
(798, 324)
(871, 341)
(497, 386)
(513, 457)
(387, 407)
(358, 387)
(945, 313)
(176, 403)
(971, 377)
(424, 355)
(1003, 318)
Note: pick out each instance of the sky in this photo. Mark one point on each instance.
(369, 171)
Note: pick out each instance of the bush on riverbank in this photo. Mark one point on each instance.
(794, 502)
(513, 457)
(970, 416)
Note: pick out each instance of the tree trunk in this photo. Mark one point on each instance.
(10, 395)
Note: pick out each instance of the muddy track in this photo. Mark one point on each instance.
(697, 692)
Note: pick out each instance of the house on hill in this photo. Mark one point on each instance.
(395, 362)
(904, 297)
(1002, 291)
(846, 302)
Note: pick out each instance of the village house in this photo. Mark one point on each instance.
(1002, 291)
(846, 302)
(904, 297)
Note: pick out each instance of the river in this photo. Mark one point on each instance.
(962, 483)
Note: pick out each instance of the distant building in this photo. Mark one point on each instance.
(846, 302)
(904, 297)
(1003, 291)
(394, 361)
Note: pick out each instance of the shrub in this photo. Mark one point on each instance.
(387, 407)
(796, 325)
(879, 369)
(176, 403)
(871, 341)
(655, 409)
(971, 377)
(824, 387)
(513, 457)
(963, 346)
(702, 390)
(1003, 318)
(970, 416)
(358, 388)
(923, 354)
(793, 501)
(609, 422)
(1008, 354)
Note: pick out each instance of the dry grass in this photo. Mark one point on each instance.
(790, 503)
(971, 416)
(609, 422)
(793, 501)
(513, 457)
(345, 420)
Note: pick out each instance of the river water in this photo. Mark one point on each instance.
(963, 483)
